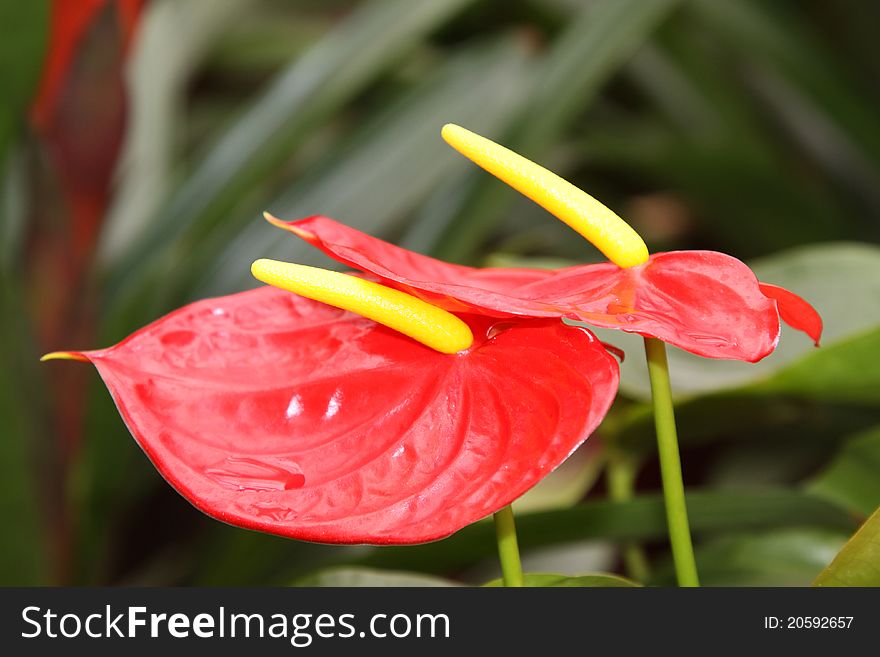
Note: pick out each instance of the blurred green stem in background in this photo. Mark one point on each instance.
(508, 549)
(621, 473)
(670, 464)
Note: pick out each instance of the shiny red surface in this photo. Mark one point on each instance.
(273, 412)
(795, 311)
(705, 302)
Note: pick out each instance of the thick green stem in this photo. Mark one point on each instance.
(670, 464)
(621, 474)
(508, 550)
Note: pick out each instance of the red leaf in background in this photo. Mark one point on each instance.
(71, 22)
(80, 108)
(705, 302)
(274, 412)
(78, 118)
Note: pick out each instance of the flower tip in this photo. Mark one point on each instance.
(289, 227)
(275, 221)
(64, 355)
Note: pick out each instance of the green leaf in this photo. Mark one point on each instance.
(787, 557)
(858, 563)
(228, 556)
(567, 485)
(722, 146)
(599, 580)
(851, 479)
(827, 393)
(641, 518)
(24, 27)
(26, 441)
(836, 373)
(780, 39)
(23, 554)
(369, 577)
(773, 458)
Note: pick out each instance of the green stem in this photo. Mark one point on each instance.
(621, 474)
(508, 550)
(670, 464)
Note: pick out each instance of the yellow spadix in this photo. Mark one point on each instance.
(432, 326)
(608, 232)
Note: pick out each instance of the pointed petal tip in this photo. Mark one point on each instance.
(275, 221)
(795, 311)
(64, 355)
(288, 226)
(616, 351)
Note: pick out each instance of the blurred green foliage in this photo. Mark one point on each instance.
(743, 126)
(857, 563)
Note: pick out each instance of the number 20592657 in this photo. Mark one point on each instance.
(808, 622)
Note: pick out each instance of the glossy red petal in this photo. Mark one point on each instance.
(454, 287)
(705, 302)
(276, 413)
(795, 311)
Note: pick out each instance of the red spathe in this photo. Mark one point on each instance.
(705, 302)
(273, 412)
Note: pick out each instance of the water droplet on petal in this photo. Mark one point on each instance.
(241, 473)
(497, 329)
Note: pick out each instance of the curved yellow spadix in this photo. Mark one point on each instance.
(432, 326)
(608, 232)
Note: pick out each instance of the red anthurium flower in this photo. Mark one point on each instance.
(705, 302)
(272, 411)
